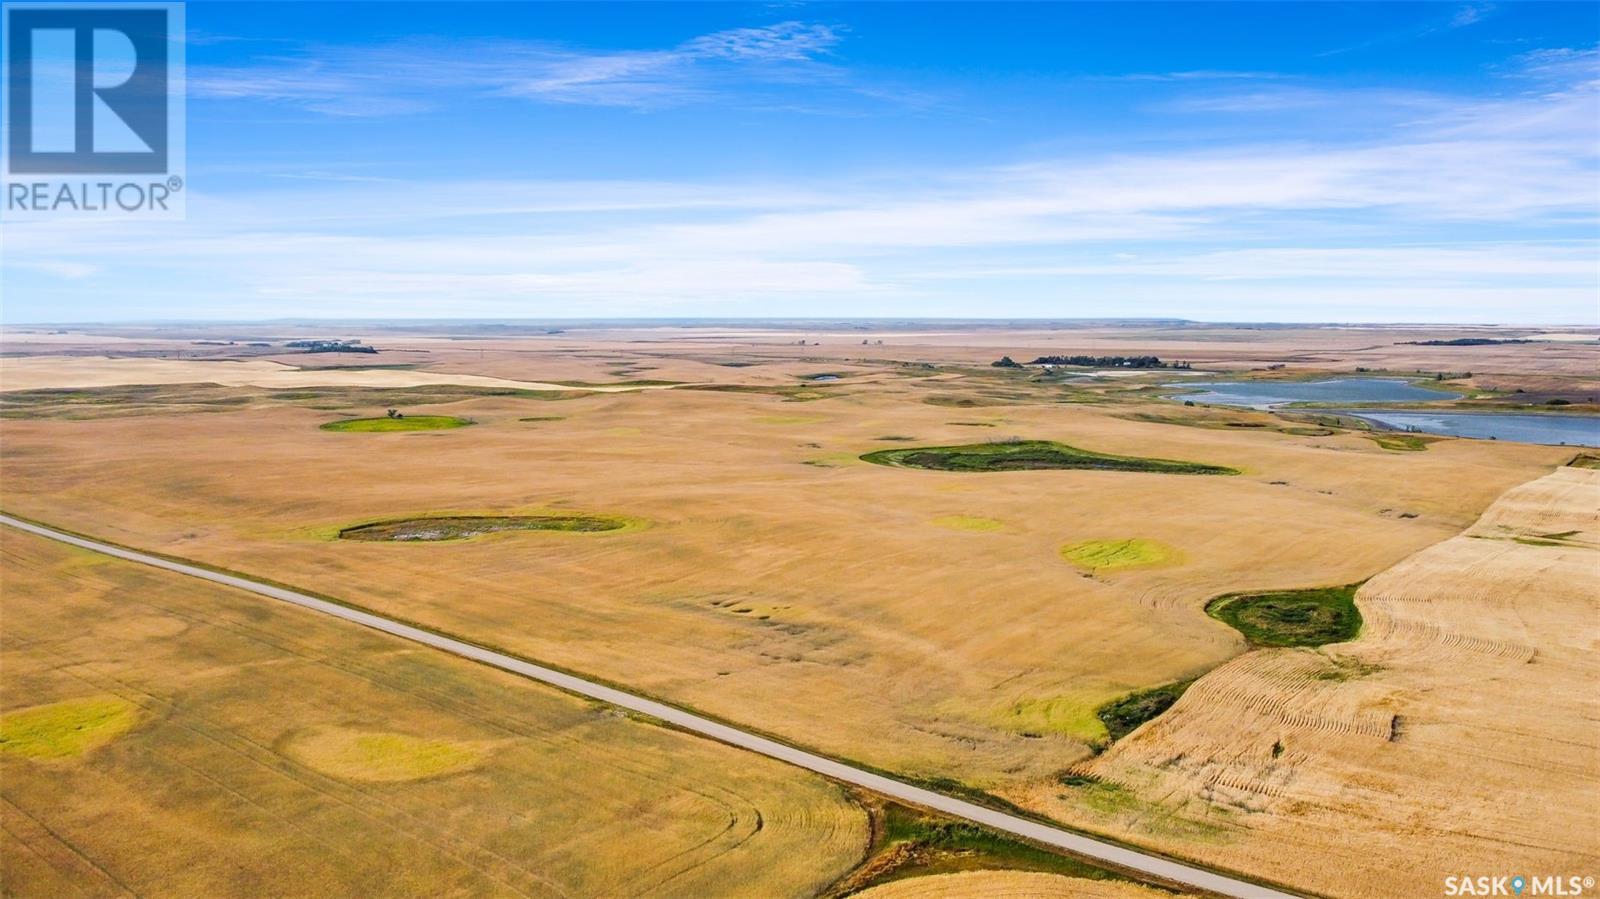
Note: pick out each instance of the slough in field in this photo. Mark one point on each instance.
(462, 527)
(1030, 455)
(1309, 617)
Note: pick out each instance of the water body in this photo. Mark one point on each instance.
(1266, 394)
(1556, 430)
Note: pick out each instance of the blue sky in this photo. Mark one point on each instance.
(1253, 161)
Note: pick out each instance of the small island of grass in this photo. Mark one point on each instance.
(1030, 455)
(398, 423)
(1310, 617)
(462, 527)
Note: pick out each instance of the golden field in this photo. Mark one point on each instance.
(1457, 735)
(925, 622)
(164, 736)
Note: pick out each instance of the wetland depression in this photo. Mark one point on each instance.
(463, 527)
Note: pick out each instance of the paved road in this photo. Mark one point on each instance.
(1131, 859)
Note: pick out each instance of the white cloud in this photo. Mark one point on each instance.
(1471, 14)
(416, 75)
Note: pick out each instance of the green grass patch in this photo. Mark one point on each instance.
(1121, 716)
(1029, 455)
(408, 423)
(382, 757)
(66, 729)
(463, 527)
(1310, 617)
(1401, 443)
(1109, 555)
(1585, 460)
(909, 842)
(1073, 716)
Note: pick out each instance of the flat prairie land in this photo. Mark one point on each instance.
(165, 736)
(1457, 735)
(922, 621)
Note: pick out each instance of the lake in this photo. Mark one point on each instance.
(1571, 430)
(1265, 394)
(1523, 427)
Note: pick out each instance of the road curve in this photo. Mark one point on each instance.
(1120, 856)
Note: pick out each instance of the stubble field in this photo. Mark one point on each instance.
(182, 739)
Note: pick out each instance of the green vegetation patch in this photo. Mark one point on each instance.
(1073, 716)
(462, 527)
(909, 842)
(397, 423)
(1029, 455)
(382, 757)
(1121, 716)
(1133, 552)
(1308, 617)
(66, 729)
(1401, 443)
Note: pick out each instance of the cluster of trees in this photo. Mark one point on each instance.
(330, 346)
(1107, 361)
(1466, 341)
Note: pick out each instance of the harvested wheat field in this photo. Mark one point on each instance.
(1009, 885)
(1458, 735)
(163, 736)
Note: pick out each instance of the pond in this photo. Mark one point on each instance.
(1265, 394)
(1556, 430)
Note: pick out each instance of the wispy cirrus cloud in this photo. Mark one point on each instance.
(1194, 75)
(411, 76)
(1471, 14)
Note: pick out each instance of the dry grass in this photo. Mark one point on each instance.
(44, 372)
(280, 753)
(969, 523)
(1456, 735)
